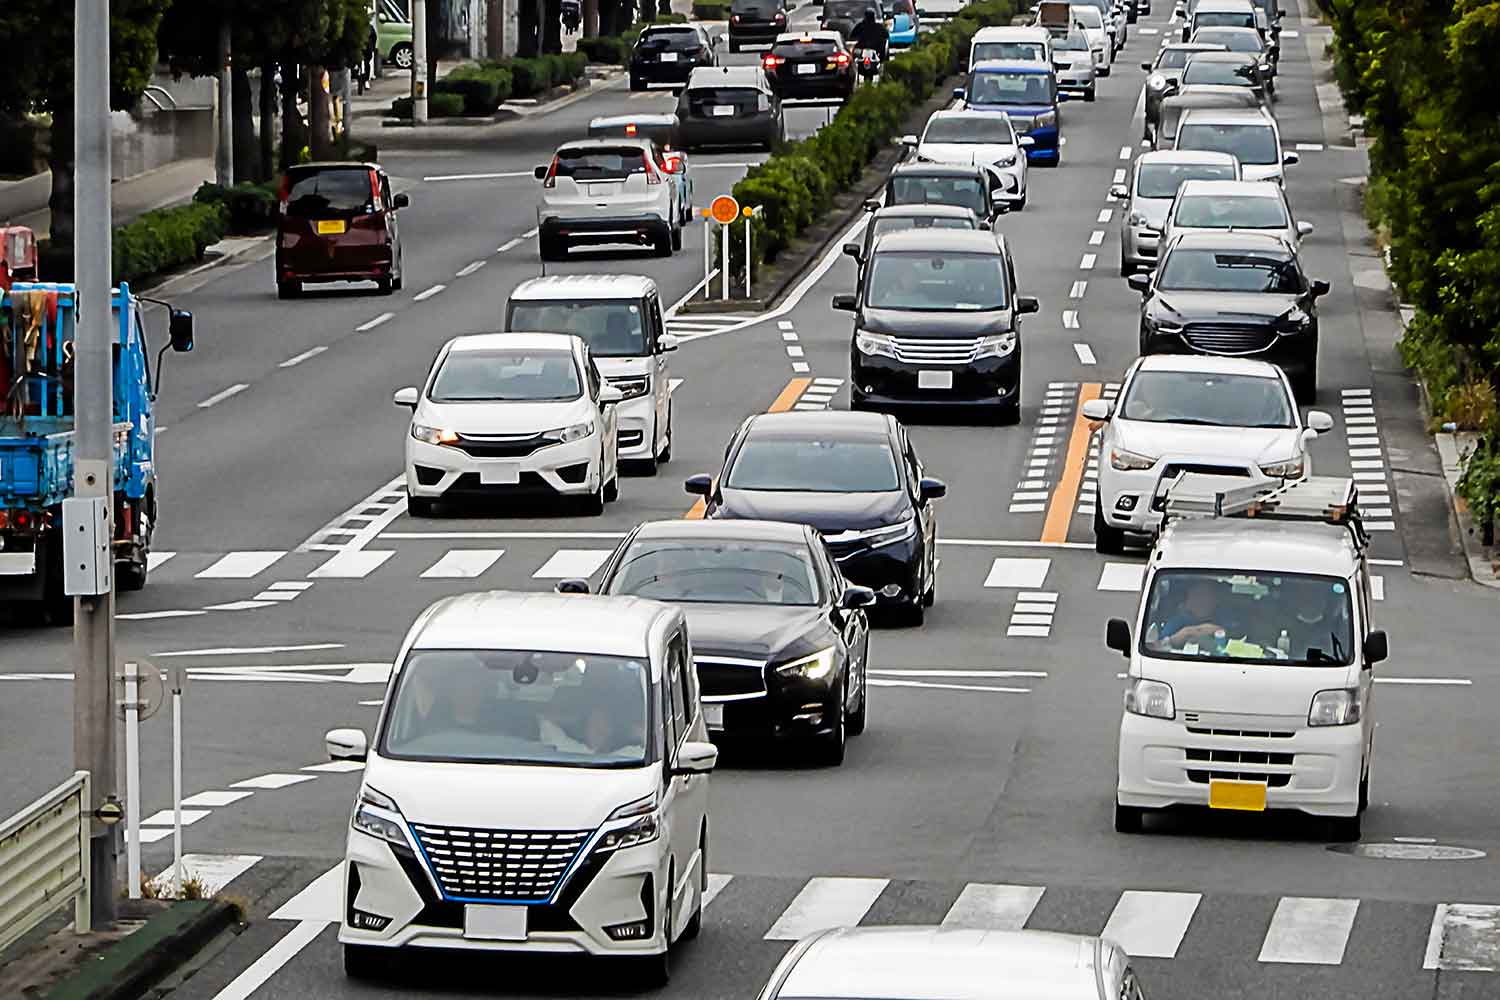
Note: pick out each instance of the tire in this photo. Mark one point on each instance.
(551, 248)
(929, 596)
(131, 576)
(663, 243)
(1344, 829)
(636, 83)
(612, 489)
(694, 926)
(1305, 386)
(831, 747)
(1364, 793)
(593, 503)
(856, 721)
(1128, 819)
(1010, 414)
(1125, 269)
(364, 962)
(401, 55)
(1102, 71)
(57, 607)
(1021, 203)
(421, 506)
(398, 281)
(1108, 540)
(676, 238)
(1091, 95)
(384, 286)
(914, 613)
(666, 452)
(288, 289)
(656, 970)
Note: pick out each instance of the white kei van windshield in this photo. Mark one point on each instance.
(519, 707)
(1221, 616)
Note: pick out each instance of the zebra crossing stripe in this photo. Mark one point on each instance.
(824, 903)
(985, 906)
(462, 564)
(1464, 936)
(716, 884)
(352, 564)
(1309, 930)
(1151, 924)
(240, 565)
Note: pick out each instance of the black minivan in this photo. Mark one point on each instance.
(755, 22)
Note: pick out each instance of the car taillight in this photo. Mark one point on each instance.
(285, 194)
(734, 17)
(375, 191)
(652, 177)
(550, 181)
(771, 62)
(842, 58)
(672, 164)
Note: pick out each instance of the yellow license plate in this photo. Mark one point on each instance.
(330, 227)
(1248, 796)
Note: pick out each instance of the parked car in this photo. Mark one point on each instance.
(393, 34)
(1154, 180)
(338, 222)
(668, 53)
(598, 192)
(811, 65)
(730, 106)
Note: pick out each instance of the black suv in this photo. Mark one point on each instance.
(814, 65)
(669, 53)
(755, 22)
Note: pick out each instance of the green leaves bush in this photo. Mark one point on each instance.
(609, 50)
(477, 90)
(710, 11)
(249, 208)
(438, 106)
(166, 239)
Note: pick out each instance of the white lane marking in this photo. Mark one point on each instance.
(783, 324)
(571, 563)
(462, 564)
(1310, 147)
(1079, 287)
(272, 781)
(1290, 33)
(423, 296)
(1018, 572)
(223, 394)
(1309, 931)
(1367, 463)
(470, 268)
(1096, 238)
(959, 673)
(213, 871)
(369, 325)
(267, 965)
(789, 336)
(1464, 936)
(716, 884)
(155, 560)
(533, 535)
(508, 245)
(334, 767)
(1070, 319)
(1377, 587)
(1120, 176)
(533, 231)
(145, 616)
(1026, 508)
(1019, 617)
(297, 359)
(1364, 452)
(826, 903)
(213, 800)
(1105, 214)
(1122, 577)
(240, 565)
(1030, 495)
(794, 351)
(1024, 607)
(164, 817)
(242, 650)
(299, 586)
(1429, 681)
(1087, 264)
(1151, 924)
(983, 906)
(672, 384)
(1355, 392)
(389, 500)
(437, 178)
(1029, 631)
(1085, 354)
(1125, 152)
(938, 686)
(351, 565)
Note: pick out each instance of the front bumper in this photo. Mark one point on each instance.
(759, 701)
(1295, 353)
(1314, 770)
(442, 472)
(637, 428)
(891, 570)
(984, 383)
(601, 891)
(644, 228)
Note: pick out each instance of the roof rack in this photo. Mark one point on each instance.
(1315, 499)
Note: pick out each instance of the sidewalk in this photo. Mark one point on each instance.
(24, 202)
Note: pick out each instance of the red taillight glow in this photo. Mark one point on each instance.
(734, 17)
(550, 181)
(285, 193)
(652, 177)
(630, 129)
(671, 164)
(375, 198)
(842, 58)
(771, 62)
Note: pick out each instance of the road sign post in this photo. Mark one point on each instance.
(724, 210)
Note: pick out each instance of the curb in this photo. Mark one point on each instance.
(167, 941)
(395, 128)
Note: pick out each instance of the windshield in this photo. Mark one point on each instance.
(1224, 19)
(814, 465)
(600, 163)
(1291, 618)
(960, 282)
(676, 39)
(1089, 17)
(891, 223)
(505, 375)
(1161, 180)
(1233, 40)
(1010, 88)
(1024, 51)
(1189, 270)
(519, 707)
(1220, 73)
(1247, 143)
(991, 126)
(1163, 397)
(965, 192)
(612, 329)
(1073, 41)
(1174, 58)
(1225, 211)
(717, 572)
(328, 191)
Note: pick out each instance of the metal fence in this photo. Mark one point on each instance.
(44, 860)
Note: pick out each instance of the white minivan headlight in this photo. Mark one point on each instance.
(1151, 698)
(1337, 707)
(632, 387)
(369, 816)
(433, 435)
(873, 345)
(1129, 461)
(644, 825)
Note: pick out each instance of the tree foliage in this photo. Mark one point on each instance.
(36, 37)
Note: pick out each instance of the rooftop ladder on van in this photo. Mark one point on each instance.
(1319, 499)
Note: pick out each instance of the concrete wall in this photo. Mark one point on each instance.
(150, 136)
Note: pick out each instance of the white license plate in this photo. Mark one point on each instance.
(723, 110)
(713, 715)
(807, 68)
(500, 474)
(668, 57)
(934, 380)
(17, 563)
(494, 923)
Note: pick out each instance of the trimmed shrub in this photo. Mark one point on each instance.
(710, 11)
(530, 76)
(249, 208)
(610, 50)
(482, 88)
(165, 239)
(438, 106)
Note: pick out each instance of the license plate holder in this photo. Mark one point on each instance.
(500, 474)
(807, 68)
(723, 110)
(668, 57)
(486, 922)
(332, 227)
(713, 715)
(1243, 796)
(934, 380)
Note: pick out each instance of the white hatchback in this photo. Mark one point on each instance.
(512, 415)
(1192, 413)
(983, 138)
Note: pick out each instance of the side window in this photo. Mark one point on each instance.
(595, 382)
(669, 723)
(385, 190)
(690, 686)
(677, 667)
(654, 320)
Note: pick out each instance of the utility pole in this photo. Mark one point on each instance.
(419, 62)
(93, 477)
(224, 148)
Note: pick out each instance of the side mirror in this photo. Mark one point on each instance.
(1377, 647)
(180, 330)
(1028, 304)
(873, 205)
(932, 489)
(1026, 140)
(1319, 289)
(855, 596)
(1119, 191)
(668, 343)
(1140, 282)
(843, 303)
(1304, 229)
(405, 397)
(572, 587)
(695, 758)
(402, 200)
(853, 250)
(610, 394)
(984, 225)
(1117, 635)
(910, 140)
(346, 744)
(1289, 158)
(1146, 66)
(1099, 409)
(700, 485)
(1319, 422)
(540, 173)
(958, 93)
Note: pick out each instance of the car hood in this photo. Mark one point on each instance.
(1073, 58)
(1015, 110)
(1229, 306)
(1208, 445)
(622, 367)
(1267, 690)
(1261, 171)
(503, 418)
(827, 512)
(912, 323)
(1095, 35)
(753, 631)
(965, 152)
(508, 796)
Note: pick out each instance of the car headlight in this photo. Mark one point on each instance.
(1150, 698)
(574, 432)
(632, 387)
(1290, 469)
(1337, 707)
(433, 435)
(1046, 119)
(874, 344)
(377, 815)
(1136, 219)
(1129, 461)
(997, 346)
(1294, 320)
(1006, 161)
(644, 825)
(1156, 81)
(813, 667)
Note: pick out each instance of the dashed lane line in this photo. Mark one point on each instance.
(423, 296)
(380, 320)
(470, 268)
(1088, 261)
(1096, 238)
(1078, 289)
(1085, 354)
(509, 245)
(223, 394)
(297, 359)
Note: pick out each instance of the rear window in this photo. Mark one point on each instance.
(1219, 73)
(965, 192)
(1174, 58)
(805, 49)
(992, 127)
(613, 328)
(673, 39)
(703, 102)
(1225, 19)
(894, 223)
(1248, 143)
(1234, 41)
(1011, 88)
(756, 8)
(321, 192)
(600, 163)
(854, 9)
(1161, 180)
(1024, 51)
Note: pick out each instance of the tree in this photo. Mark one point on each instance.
(37, 75)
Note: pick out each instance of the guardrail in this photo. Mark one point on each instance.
(44, 860)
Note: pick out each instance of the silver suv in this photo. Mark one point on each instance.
(1154, 181)
(608, 191)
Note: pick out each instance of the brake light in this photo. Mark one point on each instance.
(630, 129)
(734, 17)
(550, 181)
(285, 194)
(652, 177)
(842, 58)
(671, 163)
(771, 62)
(375, 191)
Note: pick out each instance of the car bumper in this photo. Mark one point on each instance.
(439, 472)
(598, 892)
(1296, 353)
(988, 382)
(642, 227)
(1076, 80)
(826, 86)
(755, 34)
(1315, 770)
(291, 269)
(784, 707)
(636, 433)
(758, 130)
(891, 570)
(660, 72)
(1139, 246)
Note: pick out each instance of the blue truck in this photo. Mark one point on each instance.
(37, 324)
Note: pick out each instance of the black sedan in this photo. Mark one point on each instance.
(1234, 294)
(781, 642)
(856, 478)
(668, 53)
(811, 66)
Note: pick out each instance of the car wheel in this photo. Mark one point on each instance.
(835, 743)
(1108, 540)
(288, 289)
(1009, 414)
(914, 614)
(401, 55)
(636, 83)
(551, 248)
(1102, 71)
(663, 243)
(666, 450)
(1091, 94)
(656, 970)
(399, 279)
(676, 238)
(855, 723)
(612, 489)
(929, 596)
(421, 506)
(132, 575)
(1305, 385)
(1344, 829)
(384, 286)
(364, 962)
(1021, 202)
(1128, 819)
(1364, 792)
(1126, 270)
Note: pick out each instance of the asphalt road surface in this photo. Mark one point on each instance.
(288, 572)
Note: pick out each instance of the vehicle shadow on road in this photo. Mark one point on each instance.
(455, 975)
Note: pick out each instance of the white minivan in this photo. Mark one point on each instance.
(537, 782)
(1252, 663)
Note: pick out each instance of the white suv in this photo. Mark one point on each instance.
(598, 192)
(1192, 413)
(538, 782)
(1253, 206)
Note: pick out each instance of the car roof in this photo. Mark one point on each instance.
(793, 423)
(724, 528)
(1226, 239)
(1258, 545)
(945, 963)
(966, 113)
(1230, 189)
(520, 340)
(941, 241)
(1223, 5)
(726, 76)
(565, 623)
(1239, 29)
(938, 170)
(332, 165)
(1207, 364)
(585, 286)
(658, 28)
(1184, 156)
(1001, 32)
(817, 36)
(929, 209)
(1196, 47)
(1228, 116)
(612, 121)
(1011, 66)
(613, 142)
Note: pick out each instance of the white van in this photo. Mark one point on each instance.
(1026, 44)
(537, 782)
(620, 317)
(1250, 680)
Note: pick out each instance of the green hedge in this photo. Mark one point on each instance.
(609, 50)
(166, 239)
(477, 90)
(710, 11)
(482, 87)
(438, 106)
(249, 208)
(797, 184)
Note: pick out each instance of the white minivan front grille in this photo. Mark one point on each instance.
(522, 866)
